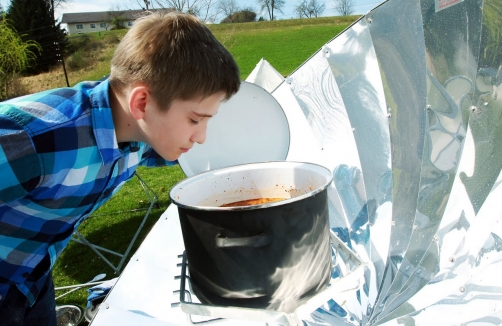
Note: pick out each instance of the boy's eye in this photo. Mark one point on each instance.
(194, 121)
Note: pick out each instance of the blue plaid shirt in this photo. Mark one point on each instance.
(59, 161)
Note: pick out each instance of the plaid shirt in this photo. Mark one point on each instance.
(59, 161)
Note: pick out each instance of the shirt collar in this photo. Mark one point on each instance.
(102, 123)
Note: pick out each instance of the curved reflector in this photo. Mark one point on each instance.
(405, 107)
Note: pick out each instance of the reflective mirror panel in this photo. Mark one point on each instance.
(406, 109)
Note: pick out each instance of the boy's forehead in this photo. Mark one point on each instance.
(204, 107)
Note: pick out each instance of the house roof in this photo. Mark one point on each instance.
(99, 16)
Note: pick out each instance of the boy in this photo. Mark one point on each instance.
(64, 152)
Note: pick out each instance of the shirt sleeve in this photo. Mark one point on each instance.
(19, 162)
(150, 158)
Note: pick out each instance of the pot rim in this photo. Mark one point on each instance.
(250, 207)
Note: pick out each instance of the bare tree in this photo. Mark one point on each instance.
(344, 7)
(180, 5)
(228, 7)
(143, 4)
(203, 9)
(310, 8)
(270, 6)
(208, 10)
(117, 18)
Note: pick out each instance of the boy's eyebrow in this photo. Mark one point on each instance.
(203, 115)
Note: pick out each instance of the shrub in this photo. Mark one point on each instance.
(243, 16)
(14, 89)
(78, 60)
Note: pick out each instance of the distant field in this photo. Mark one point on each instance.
(286, 44)
(285, 49)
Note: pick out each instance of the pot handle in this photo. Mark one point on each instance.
(256, 241)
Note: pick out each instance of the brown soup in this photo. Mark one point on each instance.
(250, 202)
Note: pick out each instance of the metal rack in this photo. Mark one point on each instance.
(78, 237)
(345, 260)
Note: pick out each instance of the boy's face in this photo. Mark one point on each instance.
(174, 132)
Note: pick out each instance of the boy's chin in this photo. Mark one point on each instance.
(172, 157)
(169, 155)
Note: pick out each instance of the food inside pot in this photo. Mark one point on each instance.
(250, 202)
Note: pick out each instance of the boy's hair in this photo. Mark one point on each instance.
(177, 56)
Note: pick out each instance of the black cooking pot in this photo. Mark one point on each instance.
(273, 255)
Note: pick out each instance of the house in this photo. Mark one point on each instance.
(86, 22)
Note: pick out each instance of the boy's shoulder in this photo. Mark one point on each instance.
(53, 97)
(54, 106)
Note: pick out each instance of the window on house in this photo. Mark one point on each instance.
(80, 26)
(102, 25)
(129, 24)
(92, 25)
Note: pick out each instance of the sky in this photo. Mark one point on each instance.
(360, 6)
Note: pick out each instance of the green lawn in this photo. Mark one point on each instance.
(113, 226)
(285, 44)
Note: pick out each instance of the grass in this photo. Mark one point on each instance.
(113, 226)
(286, 44)
(90, 60)
(285, 48)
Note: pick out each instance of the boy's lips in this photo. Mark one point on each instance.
(184, 150)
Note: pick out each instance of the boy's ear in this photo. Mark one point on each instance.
(138, 100)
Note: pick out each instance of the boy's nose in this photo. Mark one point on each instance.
(200, 136)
